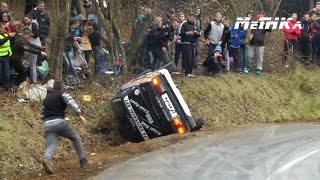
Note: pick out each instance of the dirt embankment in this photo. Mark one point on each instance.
(224, 101)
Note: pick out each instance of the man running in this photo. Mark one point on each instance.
(55, 126)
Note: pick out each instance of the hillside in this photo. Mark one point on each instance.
(224, 101)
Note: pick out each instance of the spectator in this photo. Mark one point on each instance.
(68, 55)
(291, 38)
(20, 45)
(160, 50)
(305, 39)
(43, 20)
(215, 63)
(213, 34)
(170, 15)
(150, 41)
(199, 25)
(226, 42)
(237, 38)
(53, 116)
(9, 25)
(244, 47)
(315, 38)
(5, 53)
(189, 34)
(85, 44)
(4, 9)
(32, 25)
(178, 50)
(315, 10)
(95, 41)
(257, 45)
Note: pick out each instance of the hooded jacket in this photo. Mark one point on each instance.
(292, 34)
(236, 42)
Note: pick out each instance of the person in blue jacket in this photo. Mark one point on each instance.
(237, 38)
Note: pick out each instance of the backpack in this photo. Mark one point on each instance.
(305, 32)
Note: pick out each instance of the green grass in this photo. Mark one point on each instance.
(234, 99)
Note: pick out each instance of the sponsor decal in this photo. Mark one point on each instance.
(137, 105)
(155, 131)
(169, 105)
(266, 23)
(135, 118)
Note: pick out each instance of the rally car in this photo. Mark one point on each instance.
(151, 106)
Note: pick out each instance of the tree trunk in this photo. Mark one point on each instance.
(58, 34)
(80, 8)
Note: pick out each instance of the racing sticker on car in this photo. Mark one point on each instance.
(169, 105)
(135, 118)
(143, 109)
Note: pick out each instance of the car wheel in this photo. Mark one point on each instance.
(199, 123)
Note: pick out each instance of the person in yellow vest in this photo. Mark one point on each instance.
(5, 53)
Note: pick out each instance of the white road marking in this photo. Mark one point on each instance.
(292, 163)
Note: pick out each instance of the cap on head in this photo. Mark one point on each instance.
(91, 17)
(218, 48)
(259, 16)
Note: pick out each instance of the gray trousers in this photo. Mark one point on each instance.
(259, 52)
(53, 131)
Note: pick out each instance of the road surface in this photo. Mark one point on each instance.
(275, 152)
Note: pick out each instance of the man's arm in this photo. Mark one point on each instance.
(207, 31)
(67, 98)
(35, 30)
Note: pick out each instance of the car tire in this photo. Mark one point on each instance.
(199, 123)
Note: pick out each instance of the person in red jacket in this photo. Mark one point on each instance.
(291, 38)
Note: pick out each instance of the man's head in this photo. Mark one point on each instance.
(40, 6)
(218, 17)
(318, 6)
(192, 18)
(226, 21)
(171, 13)
(306, 17)
(4, 7)
(91, 19)
(181, 17)
(175, 24)
(314, 16)
(27, 34)
(250, 14)
(198, 12)
(58, 85)
(294, 16)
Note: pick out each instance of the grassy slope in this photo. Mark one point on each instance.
(224, 101)
(241, 99)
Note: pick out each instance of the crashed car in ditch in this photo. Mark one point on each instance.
(151, 106)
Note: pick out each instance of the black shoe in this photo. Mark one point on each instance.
(84, 163)
(47, 165)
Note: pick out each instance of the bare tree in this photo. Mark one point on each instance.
(60, 13)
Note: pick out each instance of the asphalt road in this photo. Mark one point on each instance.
(286, 152)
